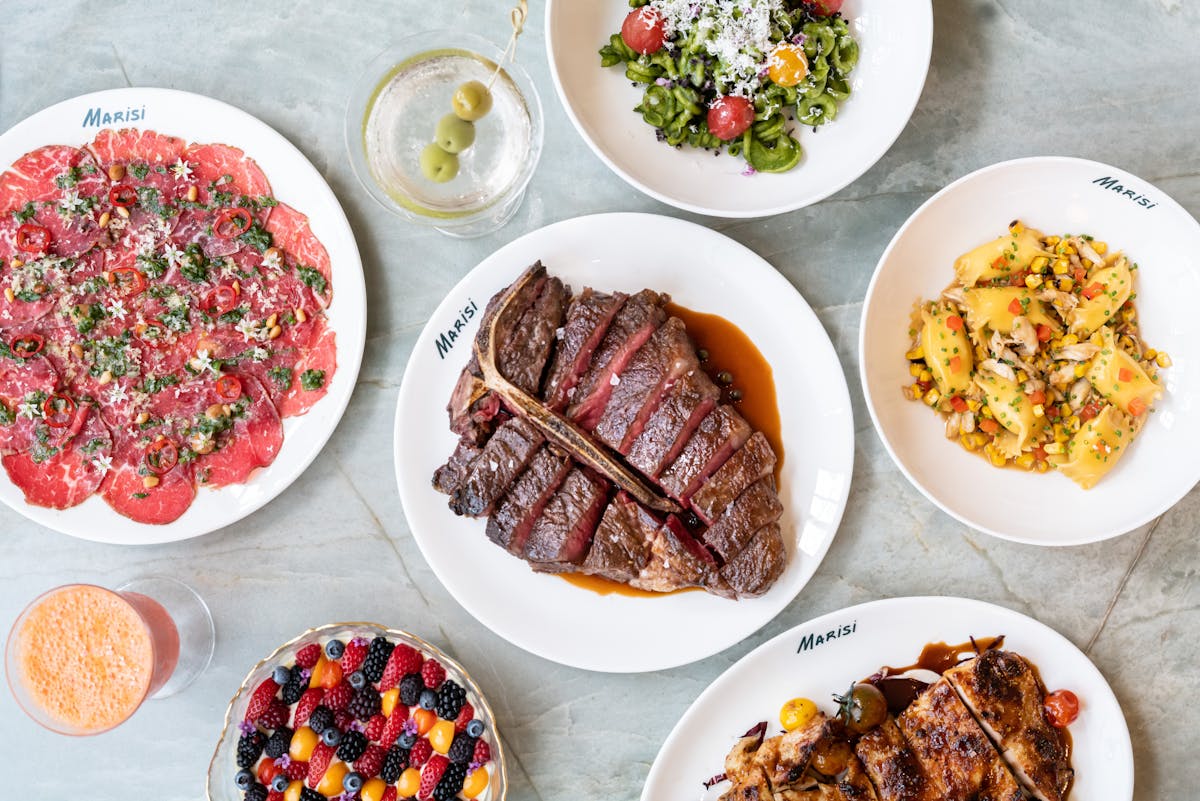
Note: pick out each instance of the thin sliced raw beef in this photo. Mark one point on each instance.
(253, 442)
(68, 477)
(124, 490)
(33, 176)
(17, 382)
(131, 144)
(290, 230)
(59, 180)
(211, 163)
(322, 357)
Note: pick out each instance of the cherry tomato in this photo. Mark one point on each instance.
(796, 713)
(33, 238)
(231, 222)
(229, 388)
(826, 7)
(1062, 707)
(862, 708)
(29, 345)
(644, 30)
(58, 410)
(161, 456)
(788, 65)
(122, 196)
(729, 117)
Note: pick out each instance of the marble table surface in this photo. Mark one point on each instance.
(1113, 80)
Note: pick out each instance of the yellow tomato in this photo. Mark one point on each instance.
(796, 713)
(788, 65)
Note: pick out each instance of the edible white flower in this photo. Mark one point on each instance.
(117, 394)
(174, 256)
(117, 310)
(272, 261)
(203, 362)
(72, 203)
(29, 410)
(103, 462)
(248, 329)
(182, 169)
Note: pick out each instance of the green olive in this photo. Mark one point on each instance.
(472, 101)
(437, 164)
(454, 135)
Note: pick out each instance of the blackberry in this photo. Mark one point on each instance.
(450, 700)
(320, 719)
(256, 793)
(365, 703)
(462, 749)
(377, 657)
(410, 689)
(307, 794)
(352, 747)
(249, 748)
(451, 782)
(394, 764)
(278, 742)
(294, 687)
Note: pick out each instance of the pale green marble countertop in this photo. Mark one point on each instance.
(1113, 80)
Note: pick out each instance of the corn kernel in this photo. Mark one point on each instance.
(1060, 434)
(1065, 249)
(995, 457)
(986, 411)
(1056, 344)
(932, 397)
(1016, 227)
(1022, 376)
(980, 353)
(1073, 423)
(925, 375)
(973, 405)
(1039, 410)
(1053, 447)
(1087, 263)
(1039, 264)
(914, 370)
(1033, 281)
(1061, 266)
(1042, 467)
(1066, 284)
(1051, 241)
(1071, 339)
(968, 443)
(1100, 247)
(916, 353)
(1162, 360)
(1025, 461)
(1081, 370)
(1149, 353)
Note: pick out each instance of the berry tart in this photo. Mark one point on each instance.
(357, 712)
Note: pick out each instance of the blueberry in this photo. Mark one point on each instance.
(357, 680)
(282, 675)
(428, 699)
(280, 783)
(331, 736)
(334, 649)
(352, 783)
(475, 728)
(407, 740)
(243, 779)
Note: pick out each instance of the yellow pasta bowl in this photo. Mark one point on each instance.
(1028, 350)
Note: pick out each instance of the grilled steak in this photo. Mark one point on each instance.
(1003, 692)
(562, 400)
(588, 318)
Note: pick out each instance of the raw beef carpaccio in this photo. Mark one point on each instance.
(160, 313)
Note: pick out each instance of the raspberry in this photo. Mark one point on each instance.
(374, 727)
(377, 656)
(370, 762)
(462, 749)
(274, 796)
(256, 793)
(308, 702)
(420, 753)
(431, 774)
(296, 771)
(320, 719)
(278, 742)
(249, 748)
(410, 689)
(404, 660)
(353, 656)
(352, 747)
(483, 752)
(393, 727)
(307, 656)
(451, 783)
(394, 764)
(366, 704)
(261, 698)
(465, 716)
(277, 714)
(339, 697)
(318, 763)
(433, 673)
(450, 700)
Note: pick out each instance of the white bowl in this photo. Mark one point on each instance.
(1054, 195)
(895, 41)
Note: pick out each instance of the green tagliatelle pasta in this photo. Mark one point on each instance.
(693, 68)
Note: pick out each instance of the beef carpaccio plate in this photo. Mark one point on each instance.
(160, 313)
(623, 460)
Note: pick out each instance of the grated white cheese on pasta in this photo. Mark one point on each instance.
(740, 42)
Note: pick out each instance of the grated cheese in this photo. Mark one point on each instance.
(741, 43)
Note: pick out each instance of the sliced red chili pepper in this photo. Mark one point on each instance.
(33, 238)
(124, 196)
(231, 222)
(129, 279)
(221, 299)
(161, 456)
(58, 410)
(28, 345)
(229, 388)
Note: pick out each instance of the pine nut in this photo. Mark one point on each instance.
(274, 332)
(116, 172)
(272, 320)
(150, 482)
(105, 219)
(215, 411)
(300, 315)
(192, 193)
(123, 212)
(142, 418)
(105, 377)
(8, 294)
(77, 350)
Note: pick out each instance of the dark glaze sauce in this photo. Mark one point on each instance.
(729, 349)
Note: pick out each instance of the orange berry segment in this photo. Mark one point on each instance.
(303, 743)
(441, 736)
(388, 700)
(410, 783)
(292, 793)
(318, 672)
(425, 718)
(788, 65)
(372, 790)
(331, 782)
(476, 783)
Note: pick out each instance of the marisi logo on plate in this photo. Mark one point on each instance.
(811, 641)
(1108, 182)
(446, 341)
(97, 117)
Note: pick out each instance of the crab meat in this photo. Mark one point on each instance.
(1079, 352)
(999, 368)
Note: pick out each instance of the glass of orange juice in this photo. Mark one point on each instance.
(81, 659)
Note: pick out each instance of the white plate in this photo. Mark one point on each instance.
(1054, 195)
(295, 181)
(895, 41)
(891, 631)
(702, 270)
